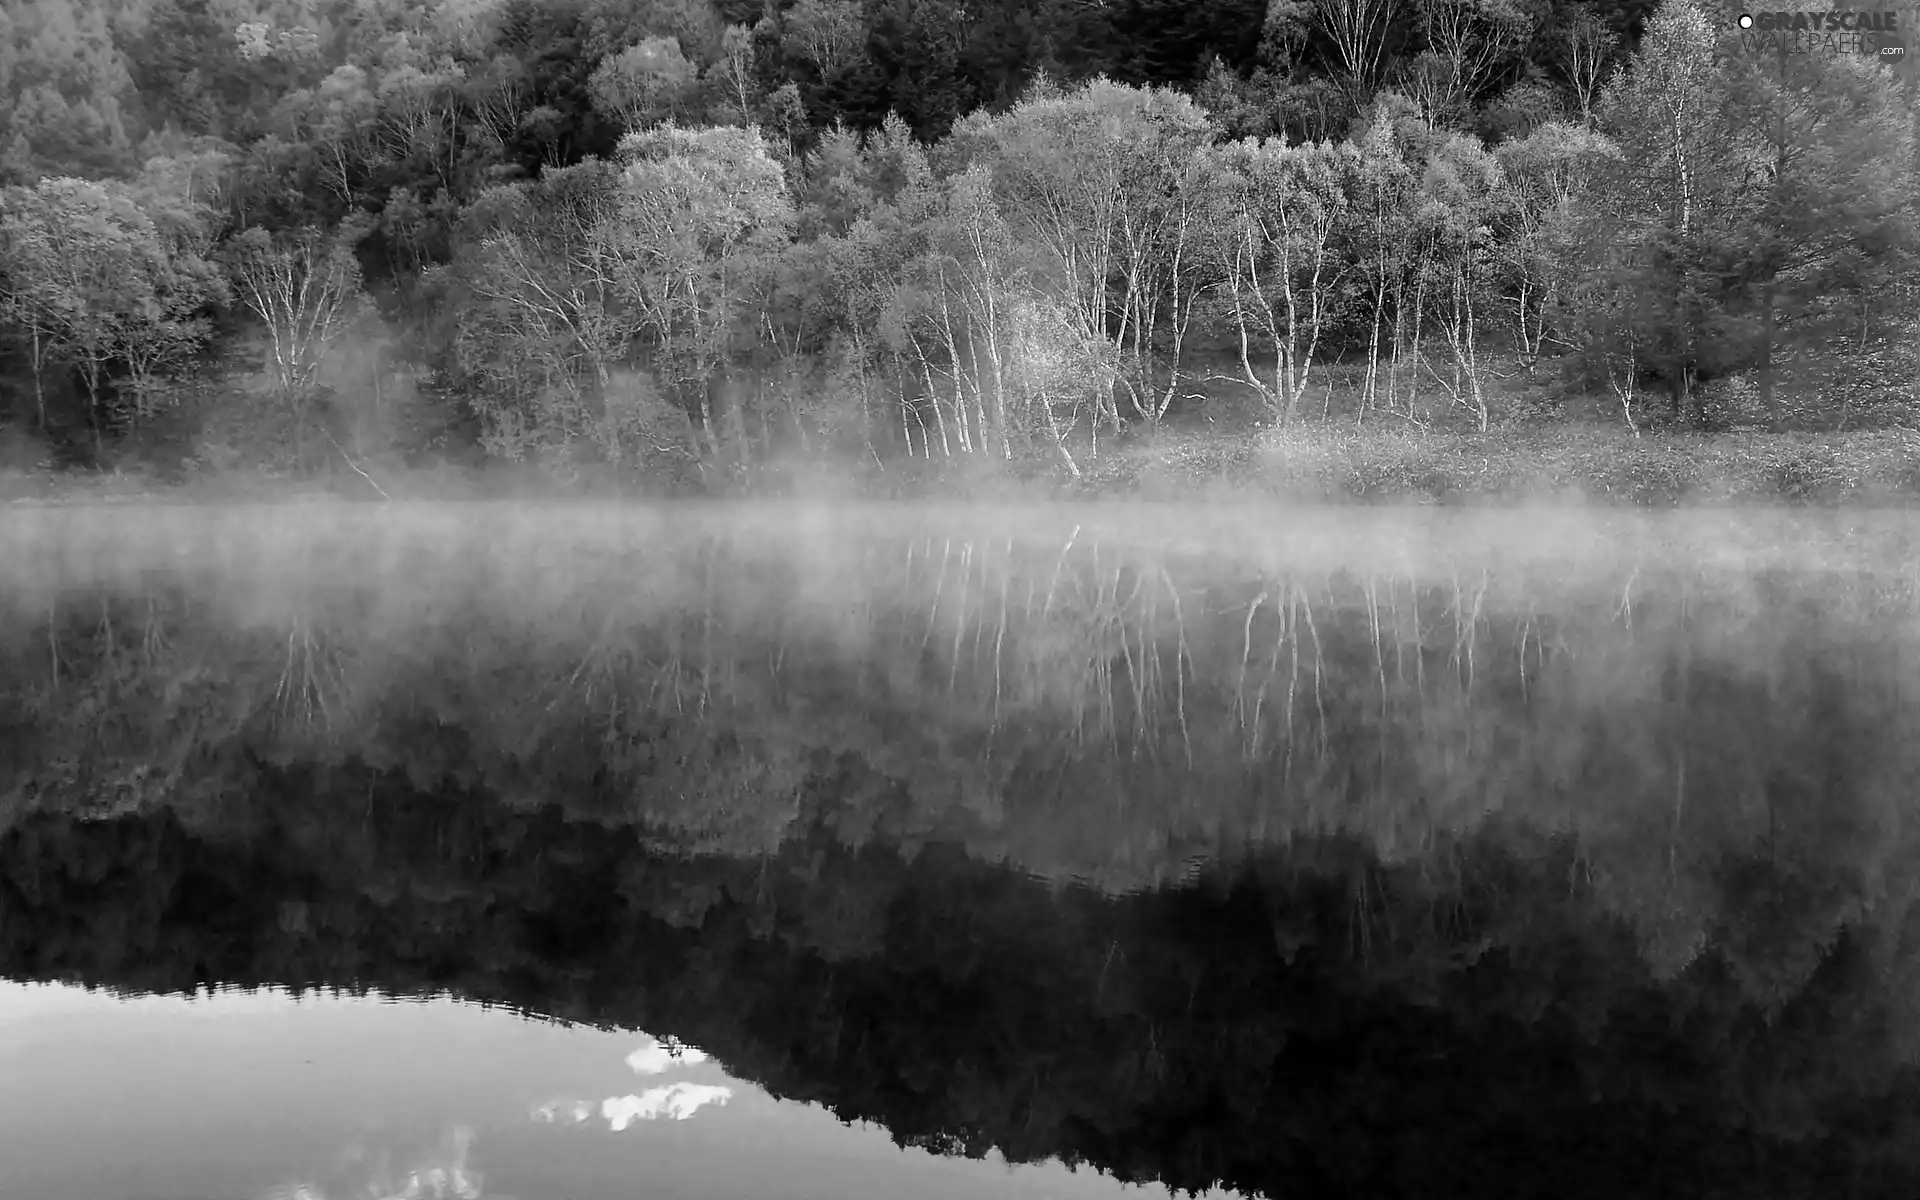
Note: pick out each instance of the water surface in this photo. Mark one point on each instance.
(1292, 852)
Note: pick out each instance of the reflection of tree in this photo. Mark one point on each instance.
(1317, 1020)
(719, 691)
(687, 783)
(444, 1176)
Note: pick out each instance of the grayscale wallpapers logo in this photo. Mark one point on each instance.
(1875, 35)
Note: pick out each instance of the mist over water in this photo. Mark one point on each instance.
(1292, 851)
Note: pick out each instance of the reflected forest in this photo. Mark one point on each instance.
(1379, 857)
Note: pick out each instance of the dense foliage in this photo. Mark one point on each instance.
(681, 236)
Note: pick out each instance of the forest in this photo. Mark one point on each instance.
(689, 244)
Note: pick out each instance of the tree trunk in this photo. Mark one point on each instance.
(1769, 398)
(39, 390)
(706, 421)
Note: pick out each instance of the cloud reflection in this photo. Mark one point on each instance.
(563, 1112)
(673, 1102)
(447, 1180)
(676, 1101)
(656, 1057)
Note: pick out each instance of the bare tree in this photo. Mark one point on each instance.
(1287, 205)
(300, 286)
(303, 286)
(1471, 40)
(734, 71)
(1359, 32)
(1586, 47)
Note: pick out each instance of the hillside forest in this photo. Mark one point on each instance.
(672, 239)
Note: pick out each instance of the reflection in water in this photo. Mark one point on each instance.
(1429, 867)
(446, 1180)
(657, 1056)
(675, 1102)
(255, 1094)
(564, 1112)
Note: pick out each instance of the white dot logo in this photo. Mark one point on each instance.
(1746, 20)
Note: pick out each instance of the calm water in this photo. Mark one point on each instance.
(554, 853)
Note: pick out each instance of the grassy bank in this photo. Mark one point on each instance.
(1586, 465)
(1601, 466)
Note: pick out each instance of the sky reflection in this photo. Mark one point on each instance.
(250, 1095)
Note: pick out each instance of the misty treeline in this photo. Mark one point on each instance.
(684, 236)
(714, 683)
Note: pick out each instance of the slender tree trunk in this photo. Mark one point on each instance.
(1059, 437)
(1419, 330)
(1368, 391)
(706, 421)
(1769, 397)
(93, 407)
(1396, 355)
(39, 389)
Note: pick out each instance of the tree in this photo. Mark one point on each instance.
(92, 283)
(1461, 192)
(63, 85)
(642, 84)
(1587, 45)
(735, 77)
(539, 322)
(1825, 206)
(1286, 207)
(1666, 113)
(180, 195)
(609, 26)
(303, 287)
(699, 214)
(420, 114)
(1470, 41)
(825, 33)
(1103, 180)
(31, 298)
(1544, 176)
(1390, 150)
(1358, 30)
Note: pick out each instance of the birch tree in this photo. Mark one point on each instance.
(1471, 40)
(1544, 176)
(700, 213)
(1460, 192)
(733, 75)
(304, 287)
(1586, 47)
(1102, 180)
(301, 286)
(1386, 261)
(1358, 31)
(1285, 207)
(1666, 112)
